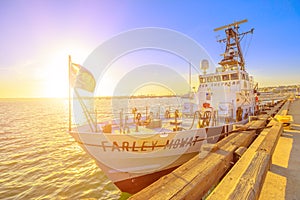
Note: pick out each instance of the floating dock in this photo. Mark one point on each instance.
(258, 161)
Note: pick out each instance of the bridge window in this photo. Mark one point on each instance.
(210, 79)
(217, 78)
(234, 76)
(202, 80)
(225, 77)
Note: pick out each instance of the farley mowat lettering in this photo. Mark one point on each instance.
(145, 145)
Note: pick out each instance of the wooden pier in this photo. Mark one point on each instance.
(259, 161)
(283, 178)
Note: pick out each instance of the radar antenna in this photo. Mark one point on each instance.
(233, 56)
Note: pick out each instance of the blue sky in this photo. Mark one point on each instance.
(37, 36)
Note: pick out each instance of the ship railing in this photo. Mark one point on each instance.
(124, 117)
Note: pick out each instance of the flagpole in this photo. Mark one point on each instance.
(70, 111)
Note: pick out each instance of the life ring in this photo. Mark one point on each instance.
(206, 118)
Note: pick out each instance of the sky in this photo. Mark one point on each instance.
(38, 35)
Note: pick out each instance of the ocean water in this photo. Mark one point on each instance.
(40, 160)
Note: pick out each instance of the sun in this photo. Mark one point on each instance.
(55, 74)
(56, 86)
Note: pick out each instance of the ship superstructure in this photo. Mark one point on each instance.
(230, 90)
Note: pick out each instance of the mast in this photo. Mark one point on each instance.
(190, 76)
(70, 111)
(233, 56)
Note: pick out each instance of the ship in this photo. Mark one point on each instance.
(136, 149)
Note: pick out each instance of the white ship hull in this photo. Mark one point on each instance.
(133, 161)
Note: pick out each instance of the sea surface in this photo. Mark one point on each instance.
(40, 160)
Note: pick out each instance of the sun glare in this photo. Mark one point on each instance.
(153, 89)
(55, 73)
(56, 85)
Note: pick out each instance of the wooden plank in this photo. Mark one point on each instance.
(238, 153)
(202, 183)
(250, 184)
(272, 138)
(285, 108)
(196, 177)
(168, 186)
(246, 177)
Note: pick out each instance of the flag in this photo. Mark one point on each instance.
(81, 78)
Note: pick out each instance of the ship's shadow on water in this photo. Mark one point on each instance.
(40, 160)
